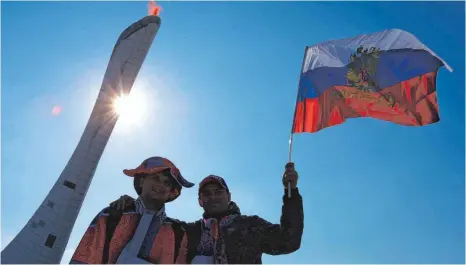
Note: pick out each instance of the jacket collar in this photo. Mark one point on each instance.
(233, 209)
(141, 209)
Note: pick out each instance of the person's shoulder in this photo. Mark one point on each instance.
(100, 214)
(109, 211)
(104, 212)
(113, 211)
(180, 222)
(189, 227)
(248, 217)
(173, 220)
(251, 219)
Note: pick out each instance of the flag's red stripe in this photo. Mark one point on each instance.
(335, 117)
(410, 103)
(407, 91)
(298, 118)
(312, 120)
(424, 83)
(307, 122)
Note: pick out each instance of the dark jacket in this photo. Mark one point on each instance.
(248, 237)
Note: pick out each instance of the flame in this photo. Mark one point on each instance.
(154, 9)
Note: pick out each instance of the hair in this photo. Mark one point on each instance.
(199, 191)
(173, 182)
(175, 185)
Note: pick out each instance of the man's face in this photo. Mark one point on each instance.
(158, 187)
(214, 199)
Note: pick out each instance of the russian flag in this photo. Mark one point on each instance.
(388, 75)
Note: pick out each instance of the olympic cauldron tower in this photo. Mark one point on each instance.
(45, 236)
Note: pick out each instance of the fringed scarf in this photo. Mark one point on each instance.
(212, 240)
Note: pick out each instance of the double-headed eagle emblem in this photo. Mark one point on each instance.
(362, 68)
(361, 74)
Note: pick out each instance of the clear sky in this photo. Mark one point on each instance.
(220, 81)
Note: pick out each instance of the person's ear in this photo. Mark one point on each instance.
(174, 193)
(141, 182)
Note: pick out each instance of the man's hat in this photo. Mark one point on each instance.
(213, 179)
(153, 165)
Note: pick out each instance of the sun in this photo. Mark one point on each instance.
(131, 109)
(122, 105)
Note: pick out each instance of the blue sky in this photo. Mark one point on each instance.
(221, 82)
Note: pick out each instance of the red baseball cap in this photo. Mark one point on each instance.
(213, 179)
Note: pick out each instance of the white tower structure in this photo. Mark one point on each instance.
(45, 236)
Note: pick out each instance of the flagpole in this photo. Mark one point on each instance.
(289, 159)
(290, 149)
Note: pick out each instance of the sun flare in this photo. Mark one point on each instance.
(121, 105)
(131, 108)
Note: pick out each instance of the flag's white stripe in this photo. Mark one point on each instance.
(336, 53)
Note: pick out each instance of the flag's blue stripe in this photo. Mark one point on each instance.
(393, 67)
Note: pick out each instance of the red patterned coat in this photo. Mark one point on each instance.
(100, 245)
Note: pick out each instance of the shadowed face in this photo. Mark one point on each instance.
(214, 199)
(158, 187)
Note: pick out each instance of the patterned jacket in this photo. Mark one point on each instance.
(111, 231)
(243, 239)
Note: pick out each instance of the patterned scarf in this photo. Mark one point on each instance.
(212, 239)
(158, 219)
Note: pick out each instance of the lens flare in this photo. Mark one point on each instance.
(56, 110)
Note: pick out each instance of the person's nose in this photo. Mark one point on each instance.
(210, 197)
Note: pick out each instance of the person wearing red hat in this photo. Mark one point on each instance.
(225, 236)
(141, 232)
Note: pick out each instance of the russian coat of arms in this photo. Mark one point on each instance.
(362, 68)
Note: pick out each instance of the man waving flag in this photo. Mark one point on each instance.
(388, 75)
